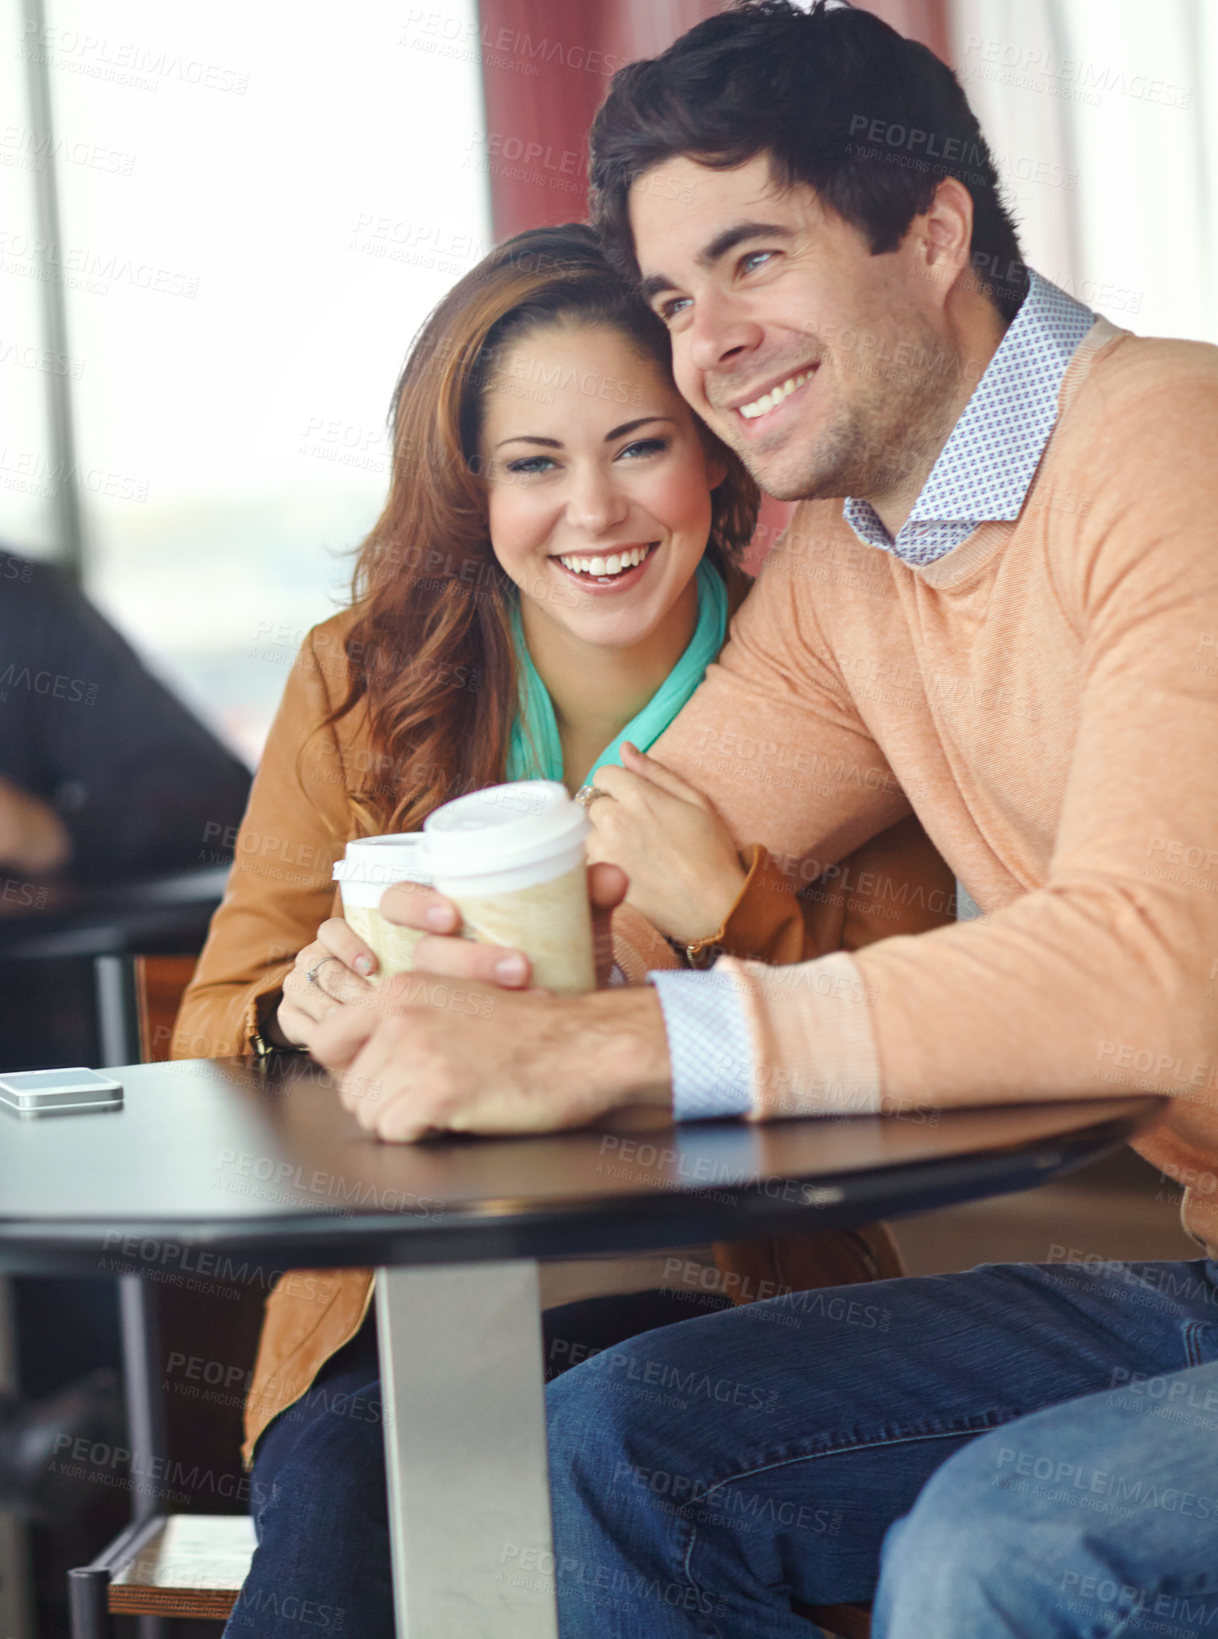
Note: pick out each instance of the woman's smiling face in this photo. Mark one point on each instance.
(598, 485)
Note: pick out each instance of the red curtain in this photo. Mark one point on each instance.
(546, 68)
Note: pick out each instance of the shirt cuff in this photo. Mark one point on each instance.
(709, 1044)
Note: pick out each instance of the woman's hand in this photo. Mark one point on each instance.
(685, 873)
(339, 961)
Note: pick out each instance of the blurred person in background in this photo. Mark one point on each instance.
(105, 777)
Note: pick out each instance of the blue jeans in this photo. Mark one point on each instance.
(1096, 1517)
(318, 1490)
(708, 1474)
(321, 1512)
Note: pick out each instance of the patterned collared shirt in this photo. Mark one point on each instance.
(983, 472)
(984, 469)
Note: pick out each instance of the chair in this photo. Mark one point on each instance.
(188, 1566)
(159, 984)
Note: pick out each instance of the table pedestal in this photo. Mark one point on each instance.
(465, 1446)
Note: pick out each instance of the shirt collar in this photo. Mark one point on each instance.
(986, 467)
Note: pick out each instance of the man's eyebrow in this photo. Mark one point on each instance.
(556, 443)
(718, 248)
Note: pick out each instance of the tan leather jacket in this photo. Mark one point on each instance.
(310, 796)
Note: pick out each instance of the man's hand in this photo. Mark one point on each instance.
(428, 1055)
(445, 952)
(33, 838)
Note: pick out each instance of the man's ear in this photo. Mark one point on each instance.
(947, 231)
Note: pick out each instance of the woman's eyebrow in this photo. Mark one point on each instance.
(556, 443)
(642, 421)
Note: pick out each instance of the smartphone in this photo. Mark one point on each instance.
(58, 1092)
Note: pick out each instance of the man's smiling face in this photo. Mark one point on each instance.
(831, 371)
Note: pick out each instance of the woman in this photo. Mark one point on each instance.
(554, 570)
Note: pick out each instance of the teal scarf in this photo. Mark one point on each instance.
(535, 751)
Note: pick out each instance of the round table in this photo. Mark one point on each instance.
(215, 1170)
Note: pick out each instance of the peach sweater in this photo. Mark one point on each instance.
(1045, 697)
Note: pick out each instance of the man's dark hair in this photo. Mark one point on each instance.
(840, 101)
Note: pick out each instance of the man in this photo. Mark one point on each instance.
(1009, 625)
(104, 777)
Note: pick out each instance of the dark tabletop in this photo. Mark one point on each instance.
(210, 1159)
(143, 916)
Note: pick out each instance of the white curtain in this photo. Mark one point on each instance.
(1103, 119)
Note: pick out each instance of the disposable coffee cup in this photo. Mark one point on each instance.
(511, 858)
(371, 865)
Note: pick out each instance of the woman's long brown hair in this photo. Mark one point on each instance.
(430, 650)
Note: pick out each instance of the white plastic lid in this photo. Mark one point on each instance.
(384, 860)
(501, 828)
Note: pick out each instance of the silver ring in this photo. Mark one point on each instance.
(587, 795)
(312, 973)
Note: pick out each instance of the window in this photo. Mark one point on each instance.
(259, 205)
(27, 474)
